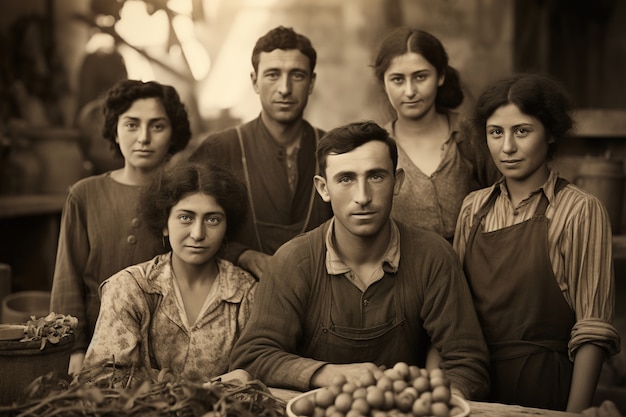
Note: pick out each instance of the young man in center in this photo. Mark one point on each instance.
(361, 290)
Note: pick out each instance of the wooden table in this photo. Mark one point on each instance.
(477, 408)
(503, 410)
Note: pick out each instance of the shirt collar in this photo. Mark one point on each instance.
(160, 276)
(390, 262)
(547, 188)
(454, 121)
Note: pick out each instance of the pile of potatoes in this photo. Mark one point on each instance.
(402, 390)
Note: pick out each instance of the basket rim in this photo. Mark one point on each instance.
(18, 345)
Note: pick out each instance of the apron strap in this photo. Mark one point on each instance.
(313, 190)
(482, 212)
(244, 162)
(541, 208)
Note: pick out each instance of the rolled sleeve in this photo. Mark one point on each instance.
(590, 278)
(595, 331)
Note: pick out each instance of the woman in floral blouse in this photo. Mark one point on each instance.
(185, 309)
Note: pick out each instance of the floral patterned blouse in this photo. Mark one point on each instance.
(142, 322)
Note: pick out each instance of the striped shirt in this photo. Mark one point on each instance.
(579, 238)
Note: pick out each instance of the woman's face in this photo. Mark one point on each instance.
(411, 84)
(196, 227)
(518, 145)
(144, 133)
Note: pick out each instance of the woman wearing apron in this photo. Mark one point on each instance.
(534, 253)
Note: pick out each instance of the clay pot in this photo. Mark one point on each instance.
(17, 307)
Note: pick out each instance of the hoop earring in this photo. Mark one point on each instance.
(165, 245)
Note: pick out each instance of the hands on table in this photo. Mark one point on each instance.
(238, 375)
(352, 372)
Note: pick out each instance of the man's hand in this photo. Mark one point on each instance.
(352, 372)
(237, 375)
(253, 261)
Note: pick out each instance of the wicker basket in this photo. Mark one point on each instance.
(22, 362)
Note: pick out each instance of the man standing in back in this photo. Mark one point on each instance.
(275, 153)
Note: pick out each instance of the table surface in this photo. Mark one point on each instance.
(477, 408)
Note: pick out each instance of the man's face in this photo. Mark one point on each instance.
(283, 81)
(360, 186)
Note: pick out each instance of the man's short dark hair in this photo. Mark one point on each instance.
(283, 38)
(346, 138)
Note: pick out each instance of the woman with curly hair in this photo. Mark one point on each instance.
(182, 310)
(101, 229)
(535, 253)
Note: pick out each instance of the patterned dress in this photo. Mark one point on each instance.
(142, 322)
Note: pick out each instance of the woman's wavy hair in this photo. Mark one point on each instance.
(170, 184)
(534, 94)
(125, 92)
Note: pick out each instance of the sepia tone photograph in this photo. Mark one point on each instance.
(313, 208)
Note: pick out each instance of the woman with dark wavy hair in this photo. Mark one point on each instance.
(101, 229)
(537, 255)
(185, 309)
(441, 164)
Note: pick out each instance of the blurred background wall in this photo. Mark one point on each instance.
(59, 56)
(203, 47)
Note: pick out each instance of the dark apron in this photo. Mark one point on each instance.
(385, 344)
(524, 316)
(270, 236)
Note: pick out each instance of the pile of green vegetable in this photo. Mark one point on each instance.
(125, 392)
(49, 329)
(123, 395)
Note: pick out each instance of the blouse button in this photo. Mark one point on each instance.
(136, 222)
(131, 239)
